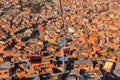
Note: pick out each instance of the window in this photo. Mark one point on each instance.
(93, 55)
(5, 72)
(35, 59)
(39, 65)
(115, 59)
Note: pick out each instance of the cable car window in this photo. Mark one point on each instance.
(35, 59)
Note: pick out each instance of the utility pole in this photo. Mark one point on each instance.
(62, 15)
(63, 62)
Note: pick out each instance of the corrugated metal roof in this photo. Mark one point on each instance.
(117, 70)
(5, 65)
(3, 68)
(117, 53)
(73, 72)
(89, 62)
(84, 62)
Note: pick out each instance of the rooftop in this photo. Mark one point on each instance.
(84, 62)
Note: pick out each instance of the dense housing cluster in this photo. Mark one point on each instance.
(31, 33)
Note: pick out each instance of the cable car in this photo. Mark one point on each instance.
(66, 51)
(36, 58)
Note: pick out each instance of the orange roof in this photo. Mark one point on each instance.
(41, 28)
(85, 52)
(9, 53)
(94, 35)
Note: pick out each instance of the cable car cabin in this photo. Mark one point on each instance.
(36, 58)
(66, 51)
